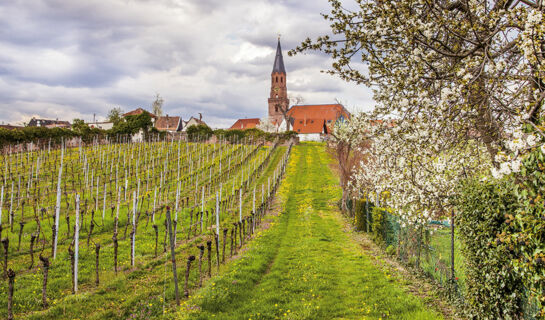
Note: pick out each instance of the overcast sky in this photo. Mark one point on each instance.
(71, 59)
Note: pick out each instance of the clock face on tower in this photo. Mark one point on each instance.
(276, 89)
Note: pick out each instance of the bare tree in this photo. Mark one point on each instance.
(296, 99)
(157, 106)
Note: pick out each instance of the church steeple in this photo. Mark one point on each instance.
(278, 99)
(279, 60)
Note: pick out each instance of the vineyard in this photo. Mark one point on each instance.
(139, 221)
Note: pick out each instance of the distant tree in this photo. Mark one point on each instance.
(197, 132)
(293, 100)
(266, 125)
(157, 106)
(296, 100)
(133, 124)
(115, 115)
(79, 126)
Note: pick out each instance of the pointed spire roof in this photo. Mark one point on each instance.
(279, 60)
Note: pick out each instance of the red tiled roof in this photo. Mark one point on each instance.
(311, 118)
(138, 111)
(243, 124)
(308, 125)
(167, 123)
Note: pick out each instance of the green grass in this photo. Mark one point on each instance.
(142, 291)
(305, 266)
(438, 257)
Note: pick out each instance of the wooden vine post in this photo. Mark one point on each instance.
(218, 229)
(1, 205)
(186, 286)
(5, 244)
(201, 253)
(45, 264)
(11, 283)
(58, 207)
(173, 256)
(133, 232)
(97, 263)
(76, 245)
(209, 249)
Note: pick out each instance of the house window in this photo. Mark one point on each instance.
(281, 80)
(328, 121)
(300, 121)
(276, 107)
(298, 130)
(311, 121)
(277, 79)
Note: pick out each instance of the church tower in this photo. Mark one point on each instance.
(278, 100)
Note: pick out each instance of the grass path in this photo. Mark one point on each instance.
(305, 266)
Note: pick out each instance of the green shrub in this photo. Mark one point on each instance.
(525, 227)
(36, 135)
(494, 289)
(198, 132)
(360, 214)
(378, 224)
(391, 250)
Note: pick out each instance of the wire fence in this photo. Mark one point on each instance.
(433, 248)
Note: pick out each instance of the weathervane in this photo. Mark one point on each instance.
(279, 35)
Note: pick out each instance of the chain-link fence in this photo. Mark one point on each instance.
(433, 248)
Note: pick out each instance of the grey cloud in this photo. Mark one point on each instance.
(76, 58)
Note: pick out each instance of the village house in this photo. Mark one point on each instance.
(138, 111)
(104, 125)
(169, 124)
(193, 122)
(49, 123)
(243, 124)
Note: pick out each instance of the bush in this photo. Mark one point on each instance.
(34, 134)
(384, 226)
(494, 289)
(525, 228)
(199, 132)
(391, 250)
(360, 213)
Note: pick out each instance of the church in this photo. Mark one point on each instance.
(311, 122)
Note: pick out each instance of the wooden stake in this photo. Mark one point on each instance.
(186, 286)
(173, 256)
(201, 253)
(209, 248)
(97, 263)
(76, 245)
(45, 264)
(32, 239)
(5, 243)
(11, 277)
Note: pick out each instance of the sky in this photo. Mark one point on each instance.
(71, 59)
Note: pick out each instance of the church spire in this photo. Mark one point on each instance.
(278, 101)
(279, 60)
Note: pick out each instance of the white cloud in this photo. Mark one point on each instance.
(72, 59)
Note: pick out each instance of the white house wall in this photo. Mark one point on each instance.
(310, 137)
